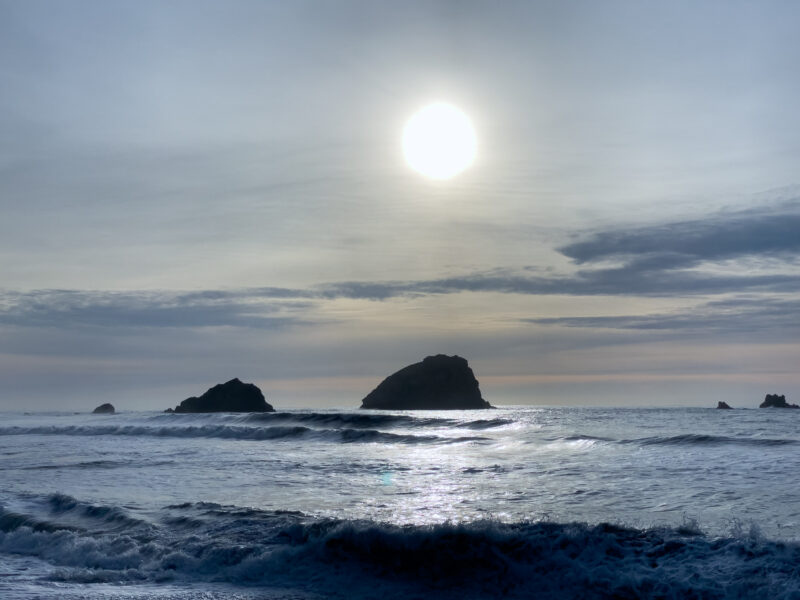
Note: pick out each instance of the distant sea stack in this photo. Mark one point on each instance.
(775, 401)
(439, 382)
(104, 409)
(232, 396)
(723, 406)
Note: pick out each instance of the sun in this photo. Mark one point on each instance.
(439, 141)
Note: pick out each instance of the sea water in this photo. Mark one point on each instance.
(513, 502)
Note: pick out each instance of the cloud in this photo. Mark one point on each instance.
(751, 315)
(651, 260)
(670, 259)
(261, 308)
(634, 279)
(723, 236)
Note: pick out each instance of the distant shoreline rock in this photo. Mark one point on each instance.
(439, 382)
(775, 401)
(724, 406)
(231, 396)
(104, 409)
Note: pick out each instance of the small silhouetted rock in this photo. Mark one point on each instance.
(775, 401)
(232, 396)
(104, 409)
(723, 405)
(438, 382)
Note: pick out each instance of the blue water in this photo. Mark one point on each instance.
(513, 502)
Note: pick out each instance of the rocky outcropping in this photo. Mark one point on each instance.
(724, 406)
(104, 409)
(437, 383)
(232, 396)
(775, 401)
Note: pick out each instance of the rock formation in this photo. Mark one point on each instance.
(723, 405)
(438, 382)
(775, 401)
(104, 409)
(232, 396)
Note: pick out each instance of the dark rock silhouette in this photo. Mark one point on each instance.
(438, 382)
(723, 405)
(104, 409)
(232, 396)
(775, 401)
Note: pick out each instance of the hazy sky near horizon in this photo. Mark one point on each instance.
(193, 191)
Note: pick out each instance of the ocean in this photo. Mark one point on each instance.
(516, 502)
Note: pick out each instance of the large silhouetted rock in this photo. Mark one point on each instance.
(104, 409)
(775, 401)
(723, 405)
(438, 382)
(232, 396)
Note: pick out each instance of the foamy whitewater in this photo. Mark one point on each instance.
(513, 502)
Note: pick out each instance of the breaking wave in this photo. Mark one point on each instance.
(370, 420)
(350, 419)
(239, 432)
(484, 559)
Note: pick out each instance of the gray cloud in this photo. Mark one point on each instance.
(685, 243)
(631, 280)
(751, 315)
(68, 308)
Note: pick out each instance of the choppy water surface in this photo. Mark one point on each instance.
(528, 502)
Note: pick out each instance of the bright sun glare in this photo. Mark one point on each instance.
(439, 141)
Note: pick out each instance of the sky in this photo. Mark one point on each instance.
(192, 191)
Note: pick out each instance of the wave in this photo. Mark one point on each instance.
(353, 420)
(97, 464)
(63, 512)
(83, 513)
(371, 420)
(485, 559)
(239, 432)
(689, 439)
(12, 521)
(708, 440)
(586, 438)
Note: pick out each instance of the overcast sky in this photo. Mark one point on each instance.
(193, 191)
